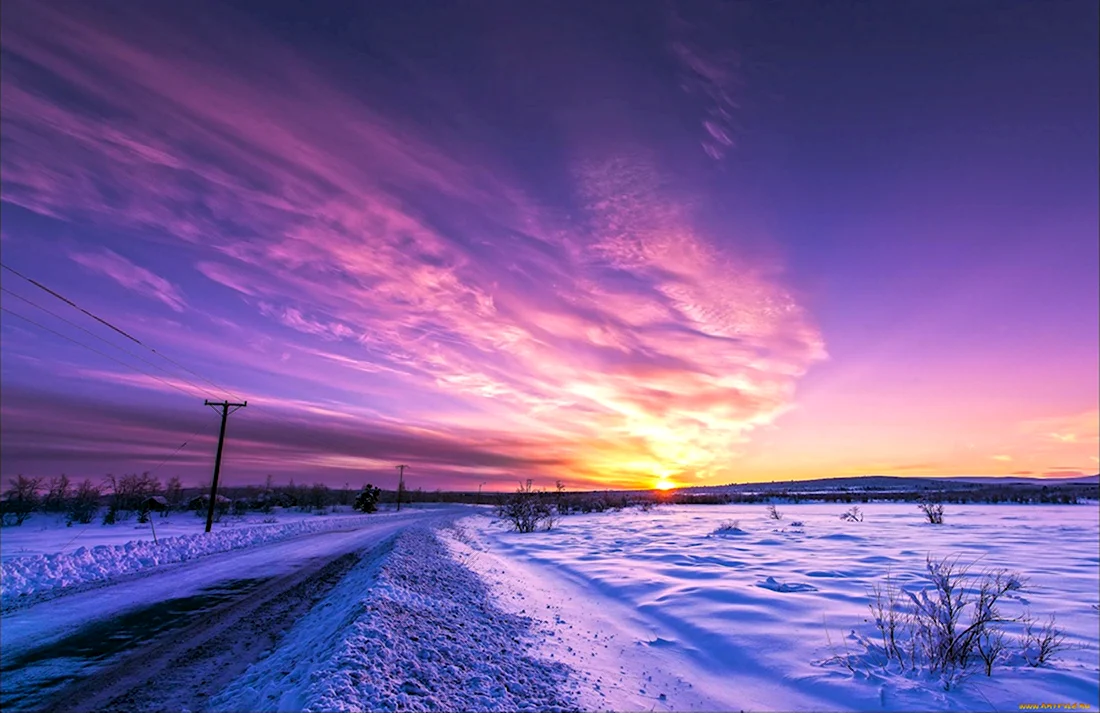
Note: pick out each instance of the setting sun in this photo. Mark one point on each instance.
(664, 484)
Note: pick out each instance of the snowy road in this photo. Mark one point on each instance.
(168, 639)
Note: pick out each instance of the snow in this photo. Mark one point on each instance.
(49, 621)
(413, 630)
(98, 553)
(45, 534)
(632, 610)
(658, 613)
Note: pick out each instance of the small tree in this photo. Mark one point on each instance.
(57, 494)
(173, 492)
(367, 499)
(773, 513)
(20, 500)
(318, 496)
(84, 504)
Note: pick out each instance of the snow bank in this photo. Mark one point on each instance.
(38, 574)
(413, 630)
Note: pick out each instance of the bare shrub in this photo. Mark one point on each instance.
(527, 509)
(948, 628)
(773, 513)
(891, 619)
(729, 527)
(853, 514)
(947, 641)
(1042, 645)
(992, 646)
(933, 511)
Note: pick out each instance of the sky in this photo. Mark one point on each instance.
(617, 244)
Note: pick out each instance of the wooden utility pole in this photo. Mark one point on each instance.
(224, 406)
(400, 484)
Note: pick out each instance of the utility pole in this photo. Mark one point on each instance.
(479, 492)
(224, 406)
(400, 484)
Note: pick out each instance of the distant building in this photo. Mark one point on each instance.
(154, 503)
(203, 501)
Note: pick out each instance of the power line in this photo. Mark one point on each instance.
(177, 387)
(157, 467)
(111, 326)
(271, 414)
(69, 302)
(178, 449)
(198, 388)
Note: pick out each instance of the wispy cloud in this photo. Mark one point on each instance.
(131, 276)
(707, 74)
(617, 334)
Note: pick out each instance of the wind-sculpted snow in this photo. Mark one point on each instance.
(659, 611)
(39, 574)
(412, 631)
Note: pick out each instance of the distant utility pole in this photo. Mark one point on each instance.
(224, 406)
(400, 484)
(479, 492)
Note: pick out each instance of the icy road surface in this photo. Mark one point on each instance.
(205, 619)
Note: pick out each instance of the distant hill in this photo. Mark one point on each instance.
(1022, 480)
(893, 482)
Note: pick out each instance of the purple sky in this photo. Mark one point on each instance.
(615, 243)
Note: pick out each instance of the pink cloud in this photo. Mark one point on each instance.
(625, 333)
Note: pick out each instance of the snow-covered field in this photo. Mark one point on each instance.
(44, 555)
(656, 613)
(626, 610)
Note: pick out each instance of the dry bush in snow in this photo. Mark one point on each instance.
(954, 625)
(729, 527)
(1041, 646)
(527, 509)
(933, 511)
